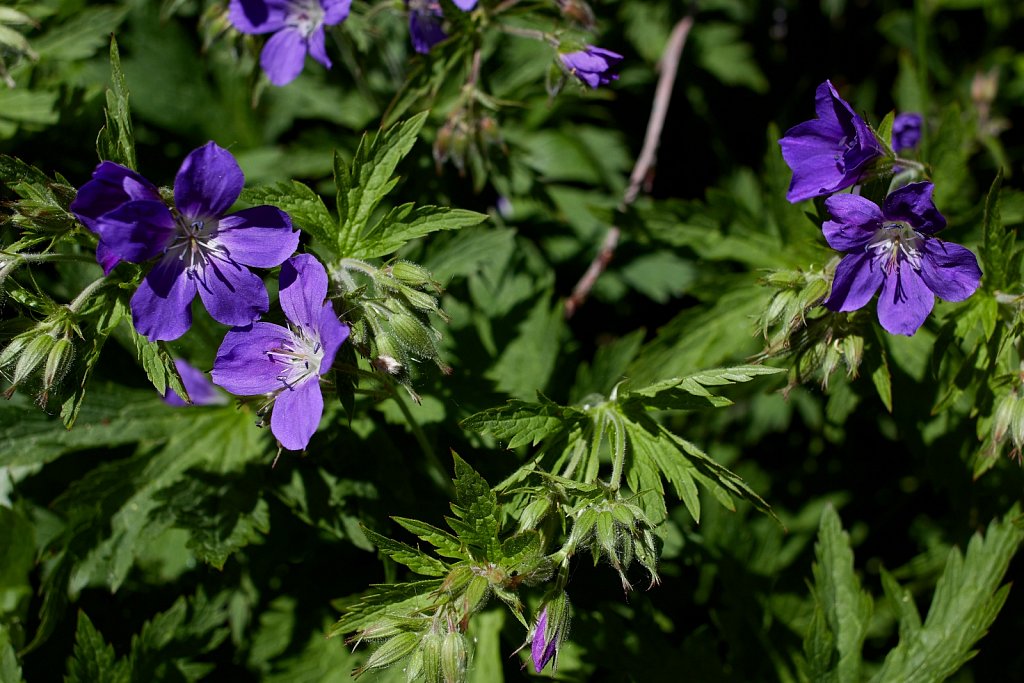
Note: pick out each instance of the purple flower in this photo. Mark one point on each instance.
(203, 251)
(543, 649)
(111, 187)
(893, 247)
(298, 28)
(199, 388)
(831, 152)
(286, 363)
(906, 131)
(425, 22)
(592, 65)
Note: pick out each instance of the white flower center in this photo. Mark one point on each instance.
(300, 357)
(193, 243)
(895, 242)
(305, 15)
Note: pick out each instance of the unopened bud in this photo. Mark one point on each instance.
(534, 513)
(1003, 415)
(57, 362)
(579, 11)
(412, 274)
(35, 351)
(430, 648)
(853, 351)
(454, 657)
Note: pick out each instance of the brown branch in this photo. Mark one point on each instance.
(644, 167)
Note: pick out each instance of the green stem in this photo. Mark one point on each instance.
(76, 304)
(49, 256)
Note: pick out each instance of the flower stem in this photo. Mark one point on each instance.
(79, 301)
(531, 33)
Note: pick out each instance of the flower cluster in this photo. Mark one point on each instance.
(203, 249)
(889, 247)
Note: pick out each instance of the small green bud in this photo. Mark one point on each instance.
(58, 361)
(35, 351)
(853, 351)
(409, 273)
(1003, 415)
(399, 647)
(454, 657)
(534, 513)
(430, 649)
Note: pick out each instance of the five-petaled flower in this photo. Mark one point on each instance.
(426, 21)
(285, 363)
(200, 390)
(893, 247)
(831, 152)
(203, 250)
(298, 28)
(906, 131)
(592, 65)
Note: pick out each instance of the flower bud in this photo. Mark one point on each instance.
(430, 649)
(454, 657)
(551, 629)
(409, 273)
(34, 352)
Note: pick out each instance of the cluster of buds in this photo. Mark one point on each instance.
(46, 350)
(389, 309)
(618, 531)
(465, 139)
(799, 292)
(1007, 422)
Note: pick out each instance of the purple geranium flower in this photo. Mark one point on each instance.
(592, 65)
(286, 363)
(906, 131)
(298, 28)
(112, 186)
(425, 22)
(831, 152)
(197, 384)
(203, 251)
(893, 247)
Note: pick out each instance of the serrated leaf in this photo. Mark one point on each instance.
(116, 140)
(520, 423)
(997, 244)
(380, 600)
(81, 36)
(159, 365)
(414, 559)
(967, 599)
(406, 222)
(364, 182)
(846, 609)
(691, 391)
(93, 660)
(528, 361)
(305, 207)
(476, 508)
(10, 668)
(445, 544)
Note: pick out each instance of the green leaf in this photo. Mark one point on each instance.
(10, 668)
(381, 600)
(476, 508)
(81, 36)
(158, 364)
(305, 207)
(520, 423)
(110, 311)
(94, 661)
(843, 610)
(488, 657)
(446, 544)
(406, 222)
(689, 392)
(368, 179)
(17, 538)
(528, 361)
(414, 559)
(968, 597)
(997, 242)
(116, 140)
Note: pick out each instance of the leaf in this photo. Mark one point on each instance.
(528, 361)
(81, 36)
(364, 609)
(997, 244)
(476, 509)
(446, 544)
(111, 310)
(305, 207)
(10, 668)
(94, 661)
(364, 182)
(405, 223)
(689, 392)
(18, 540)
(968, 597)
(843, 610)
(414, 559)
(158, 364)
(116, 140)
(520, 423)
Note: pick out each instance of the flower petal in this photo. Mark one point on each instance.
(232, 294)
(913, 203)
(905, 302)
(906, 131)
(162, 305)
(336, 11)
(111, 186)
(303, 288)
(856, 281)
(809, 149)
(106, 257)
(257, 16)
(332, 333)
(949, 270)
(242, 365)
(317, 49)
(136, 231)
(465, 5)
(297, 413)
(425, 30)
(856, 220)
(283, 56)
(208, 183)
(261, 236)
